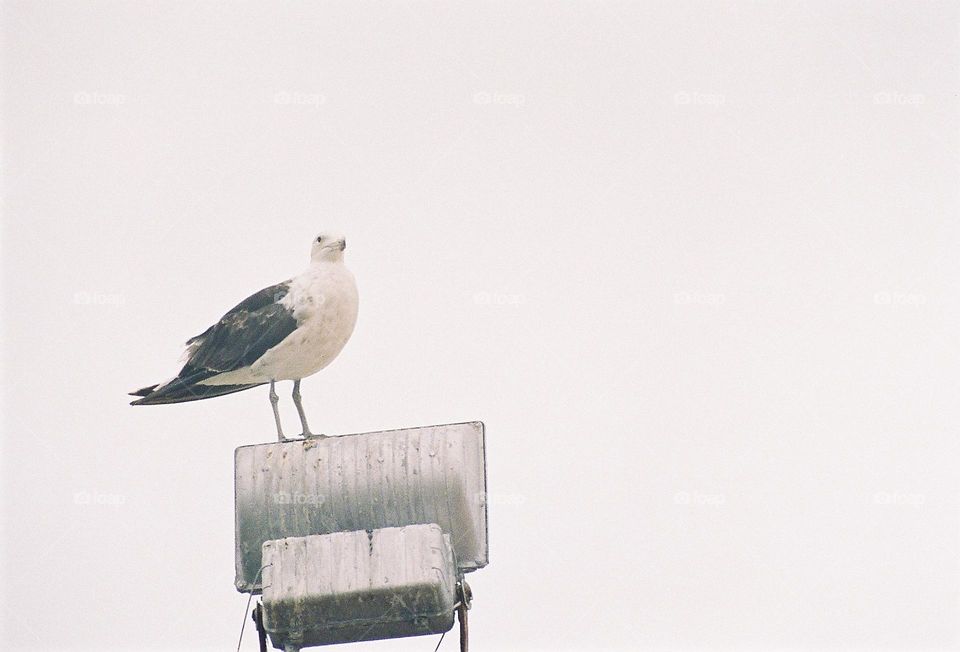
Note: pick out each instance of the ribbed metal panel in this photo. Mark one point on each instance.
(354, 586)
(367, 481)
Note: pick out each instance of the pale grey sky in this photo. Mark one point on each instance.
(692, 263)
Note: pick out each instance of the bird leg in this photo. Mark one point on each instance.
(303, 417)
(274, 400)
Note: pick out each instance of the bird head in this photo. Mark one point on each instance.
(328, 247)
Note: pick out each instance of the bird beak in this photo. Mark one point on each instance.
(343, 244)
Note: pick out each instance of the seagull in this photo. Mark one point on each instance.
(287, 331)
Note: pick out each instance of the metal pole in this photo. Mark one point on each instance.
(464, 637)
(261, 631)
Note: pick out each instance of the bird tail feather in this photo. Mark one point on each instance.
(181, 391)
(143, 391)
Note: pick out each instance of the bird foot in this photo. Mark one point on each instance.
(311, 435)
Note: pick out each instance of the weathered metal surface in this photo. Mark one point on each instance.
(433, 474)
(358, 586)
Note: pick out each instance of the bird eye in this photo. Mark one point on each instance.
(320, 239)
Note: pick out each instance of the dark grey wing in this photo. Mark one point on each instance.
(242, 336)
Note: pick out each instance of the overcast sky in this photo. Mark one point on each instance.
(693, 264)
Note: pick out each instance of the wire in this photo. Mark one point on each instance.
(243, 625)
(439, 642)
